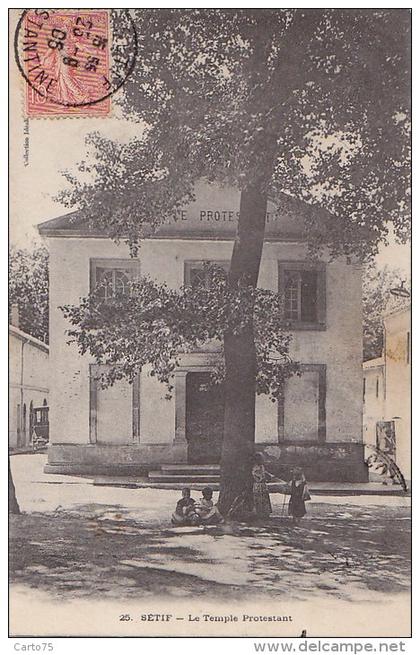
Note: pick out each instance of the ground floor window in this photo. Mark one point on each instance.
(114, 411)
(301, 410)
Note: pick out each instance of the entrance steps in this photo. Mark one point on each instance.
(315, 488)
(185, 474)
(197, 476)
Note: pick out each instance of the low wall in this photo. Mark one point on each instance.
(97, 459)
(327, 462)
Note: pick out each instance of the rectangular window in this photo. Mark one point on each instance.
(377, 387)
(113, 276)
(195, 272)
(364, 389)
(304, 289)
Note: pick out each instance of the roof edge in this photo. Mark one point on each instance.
(24, 336)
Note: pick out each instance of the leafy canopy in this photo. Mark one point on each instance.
(154, 325)
(313, 103)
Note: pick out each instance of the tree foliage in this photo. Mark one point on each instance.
(314, 103)
(153, 326)
(28, 289)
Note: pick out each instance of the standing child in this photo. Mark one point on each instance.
(298, 495)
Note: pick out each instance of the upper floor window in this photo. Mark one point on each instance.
(113, 282)
(302, 285)
(113, 276)
(196, 273)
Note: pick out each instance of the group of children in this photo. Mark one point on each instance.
(205, 512)
(196, 512)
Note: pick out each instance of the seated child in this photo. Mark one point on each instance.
(185, 512)
(206, 510)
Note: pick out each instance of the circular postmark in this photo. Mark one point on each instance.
(74, 59)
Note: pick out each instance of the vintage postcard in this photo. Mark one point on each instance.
(209, 323)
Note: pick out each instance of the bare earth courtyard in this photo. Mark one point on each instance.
(76, 542)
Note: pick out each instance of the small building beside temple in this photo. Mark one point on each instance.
(28, 388)
(387, 391)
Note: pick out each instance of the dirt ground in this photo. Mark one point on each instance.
(74, 540)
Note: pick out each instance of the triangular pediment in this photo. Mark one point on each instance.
(213, 214)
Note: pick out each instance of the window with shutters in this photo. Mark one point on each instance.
(195, 272)
(113, 276)
(303, 288)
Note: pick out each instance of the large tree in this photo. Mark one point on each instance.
(13, 502)
(310, 103)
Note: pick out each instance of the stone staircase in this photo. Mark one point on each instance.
(196, 476)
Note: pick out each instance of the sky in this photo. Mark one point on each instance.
(53, 145)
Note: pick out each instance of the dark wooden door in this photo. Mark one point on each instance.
(205, 414)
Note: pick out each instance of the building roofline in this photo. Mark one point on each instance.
(374, 363)
(76, 224)
(178, 236)
(24, 336)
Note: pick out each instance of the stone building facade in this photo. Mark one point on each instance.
(133, 428)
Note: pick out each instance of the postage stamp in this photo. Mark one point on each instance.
(66, 59)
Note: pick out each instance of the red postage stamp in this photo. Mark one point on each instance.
(66, 58)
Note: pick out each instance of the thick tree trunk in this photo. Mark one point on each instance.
(13, 503)
(240, 359)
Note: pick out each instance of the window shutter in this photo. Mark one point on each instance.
(99, 273)
(322, 296)
(136, 407)
(282, 282)
(309, 296)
